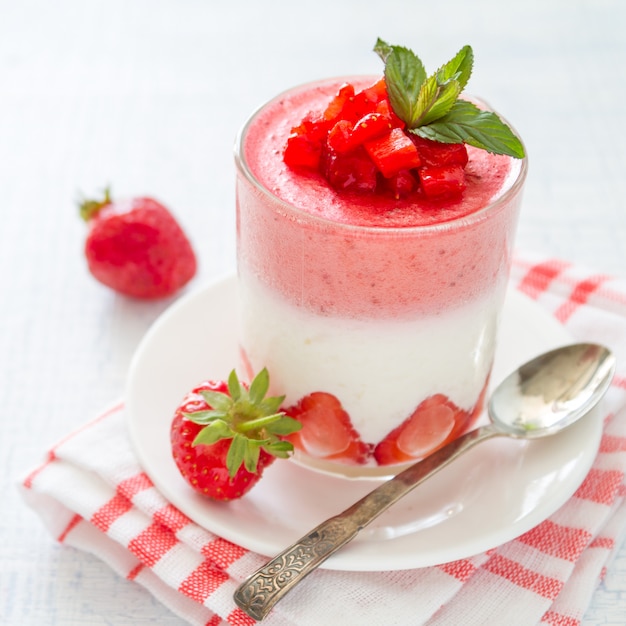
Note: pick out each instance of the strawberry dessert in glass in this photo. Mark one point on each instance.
(375, 223)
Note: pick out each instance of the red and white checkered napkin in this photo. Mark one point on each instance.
(92, 494)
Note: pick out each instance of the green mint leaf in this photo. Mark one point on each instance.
(259, 386)
(459, 68)
(435, 100)
(213, 433)
(466, 123)
(382, 49)
(404, 75)
(441, 90)
(431, 108)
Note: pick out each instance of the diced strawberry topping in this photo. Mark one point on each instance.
(366, 100)
(430, 426)
(359, 144)
(338, 103)
(437, 154)
(384, 108)
(369, 127)
(340, 137)
(302, 152)
(352, 171)
(442, 182)
(345, 136)
(315, 128)
(376, 93)
(402, 184)
(393, 152)
(327, 432)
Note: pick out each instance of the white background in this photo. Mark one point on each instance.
(147, 95)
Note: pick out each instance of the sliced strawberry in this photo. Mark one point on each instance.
(426, 430)
(327, 432)
(437, 154)
(353, 171)
(393, 152)
(466, 419)
(442, 182)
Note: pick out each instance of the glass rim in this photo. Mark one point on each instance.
(290, 208)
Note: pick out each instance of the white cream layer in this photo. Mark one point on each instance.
(380, 370)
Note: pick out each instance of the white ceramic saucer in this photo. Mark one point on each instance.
(493, 494)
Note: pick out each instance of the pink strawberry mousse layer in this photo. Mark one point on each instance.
(370, 239)
(381, 302)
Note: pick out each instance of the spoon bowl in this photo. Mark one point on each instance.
(542, 397)
(552, 391)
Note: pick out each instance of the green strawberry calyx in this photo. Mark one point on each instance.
(250, 419)
(89, 207)
(430, 105)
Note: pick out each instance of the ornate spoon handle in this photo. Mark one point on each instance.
(263, 589)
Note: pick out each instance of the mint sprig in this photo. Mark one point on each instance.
(430, 105)
(404, 76)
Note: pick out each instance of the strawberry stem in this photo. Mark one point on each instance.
(89, 208)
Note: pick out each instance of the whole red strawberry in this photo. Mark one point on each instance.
(136, 247)
(223, 435)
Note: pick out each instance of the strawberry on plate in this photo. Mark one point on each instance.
(327, 432)
(136, 247)
(224, 434)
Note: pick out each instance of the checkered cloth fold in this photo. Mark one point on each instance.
(92, 494)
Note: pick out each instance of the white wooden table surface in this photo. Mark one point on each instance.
(147, 95)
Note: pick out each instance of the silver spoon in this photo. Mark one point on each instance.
(541, 398)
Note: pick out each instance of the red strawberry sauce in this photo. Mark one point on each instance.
(369, 257)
